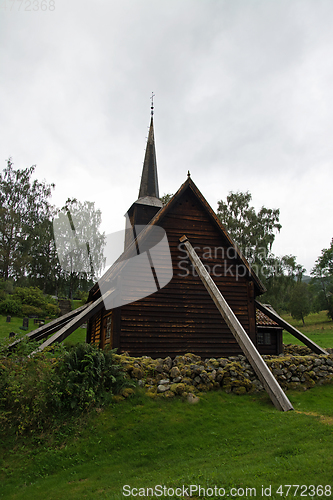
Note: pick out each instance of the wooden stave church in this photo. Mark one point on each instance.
(181, 317)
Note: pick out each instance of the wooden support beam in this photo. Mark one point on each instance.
(51, 327)
(265, 376)
(289, 328)
(84, 315)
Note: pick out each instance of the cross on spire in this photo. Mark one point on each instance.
(152, 103)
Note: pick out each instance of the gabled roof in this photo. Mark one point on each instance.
(157, 220)
(189, 184)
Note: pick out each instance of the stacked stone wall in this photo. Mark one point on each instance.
(297, 368)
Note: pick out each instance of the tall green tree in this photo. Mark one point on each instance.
(281, 278)
(44, 270)
(166, 198)
(24, 204)
(322, 281)
(254, 232)
(300, 301)
(80, 243)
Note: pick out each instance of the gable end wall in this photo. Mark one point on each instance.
(182, 317)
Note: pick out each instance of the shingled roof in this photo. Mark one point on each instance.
(263, 320)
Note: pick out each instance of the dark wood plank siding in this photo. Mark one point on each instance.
(182, 317)
(95, 326)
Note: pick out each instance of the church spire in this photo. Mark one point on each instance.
(148, 203)
(149, 182)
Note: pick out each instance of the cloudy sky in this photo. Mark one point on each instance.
(244, 100)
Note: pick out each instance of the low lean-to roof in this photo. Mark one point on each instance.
(157, 220)
(263, 320)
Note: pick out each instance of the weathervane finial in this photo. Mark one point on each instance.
(152, 103)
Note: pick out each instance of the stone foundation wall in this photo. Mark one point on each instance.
(298, 367)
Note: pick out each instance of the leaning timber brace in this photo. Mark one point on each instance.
(278, 397)
(269, 311)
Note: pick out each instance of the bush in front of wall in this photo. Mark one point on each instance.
(88, 376)
(31, 310)
(10, 306)
(37, 392)
(31, 296)
(52, 311)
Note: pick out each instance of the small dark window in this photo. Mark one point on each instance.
(267, 340)
(264, 338)
(108, 327)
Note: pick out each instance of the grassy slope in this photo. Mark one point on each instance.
(317, 327)
(78, 335)
(224, 440)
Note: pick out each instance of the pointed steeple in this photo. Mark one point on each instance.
(148, 203)
(149, 182)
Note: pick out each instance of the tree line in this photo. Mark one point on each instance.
(68, 262)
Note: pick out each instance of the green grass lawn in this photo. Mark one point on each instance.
(225, 440)
(78, 335)
(318, 327)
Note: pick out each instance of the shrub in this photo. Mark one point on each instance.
(31, 296)
(81, 295)
(31, 310)
(88, 376)
(24, 386)
(43, 390)
(51, 300)
(52, 310)
(10, 306)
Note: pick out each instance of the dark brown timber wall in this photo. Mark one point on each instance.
(182, 317)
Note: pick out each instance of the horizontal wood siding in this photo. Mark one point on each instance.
(95, 324)
(181, 317)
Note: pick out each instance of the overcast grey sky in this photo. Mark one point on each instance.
(244, 100)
